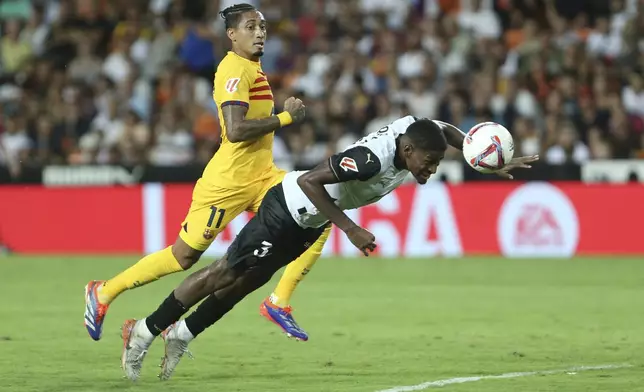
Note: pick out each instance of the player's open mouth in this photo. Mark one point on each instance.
(259, 45)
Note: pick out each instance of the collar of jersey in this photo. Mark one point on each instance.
(257, 63)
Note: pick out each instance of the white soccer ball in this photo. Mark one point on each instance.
(488, 147)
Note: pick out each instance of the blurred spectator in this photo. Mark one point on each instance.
(86, 67)
(569, 148)
(173, 144)
(481, 21)
(633, 94)
(85, 82)
(15, 51)
(15, 141)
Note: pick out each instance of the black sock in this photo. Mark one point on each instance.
(208, 313)
(169, 312)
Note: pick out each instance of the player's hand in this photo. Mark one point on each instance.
(516, 163)
(295, 108)
(362, 239)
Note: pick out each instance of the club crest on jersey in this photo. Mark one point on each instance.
(208, 234)
(348, 164)
(231, 84)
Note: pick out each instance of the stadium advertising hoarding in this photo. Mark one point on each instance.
(454, 172)
(533, 219)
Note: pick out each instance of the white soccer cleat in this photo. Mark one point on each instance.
(135, 346)
(175, 346)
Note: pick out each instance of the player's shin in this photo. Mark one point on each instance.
(168, 313)
(209, 312)
(217, 276)
(148, 269)
(297, 270)
(222, 301)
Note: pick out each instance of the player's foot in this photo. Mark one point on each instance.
(94, 310)
(135, 347)
(175, 347)
(283, 317)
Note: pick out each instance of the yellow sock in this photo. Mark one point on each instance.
(148, 269)
(297, 270)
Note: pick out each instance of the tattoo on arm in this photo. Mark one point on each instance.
(312, 184)
(238, 129)
(453, 135)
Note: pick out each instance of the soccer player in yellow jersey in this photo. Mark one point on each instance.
(235, 180)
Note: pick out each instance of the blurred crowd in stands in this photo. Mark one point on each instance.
(130, 81)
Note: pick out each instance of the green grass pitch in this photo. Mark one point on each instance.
(374, 324)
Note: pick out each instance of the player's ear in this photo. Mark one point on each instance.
(408, 149)
(231, 34)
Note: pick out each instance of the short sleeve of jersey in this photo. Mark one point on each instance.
(232, 86)
(356, 163)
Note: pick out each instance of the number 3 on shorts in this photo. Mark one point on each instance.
(266, 247)
(213, 212)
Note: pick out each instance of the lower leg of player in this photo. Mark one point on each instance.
(98, 294)
(197, 286)
(175, 258)
(295, 272)
(177, 337)
(138, 335)
(276, 308)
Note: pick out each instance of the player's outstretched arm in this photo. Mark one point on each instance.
(454, 136)
(239, 129)
(358, 163)
(312, 184)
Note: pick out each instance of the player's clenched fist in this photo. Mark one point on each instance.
(362, 239)
(295, 108)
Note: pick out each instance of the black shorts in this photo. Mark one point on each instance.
(271, 239)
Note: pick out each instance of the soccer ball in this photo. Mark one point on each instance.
(488, 147)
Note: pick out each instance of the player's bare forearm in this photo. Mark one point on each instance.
(312, 184)
(238, 129)
(453, 135)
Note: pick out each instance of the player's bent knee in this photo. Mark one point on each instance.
(186, 255)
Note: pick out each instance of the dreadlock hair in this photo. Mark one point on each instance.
(426, 135)
(232, 14)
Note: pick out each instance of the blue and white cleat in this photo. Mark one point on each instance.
(94, 310)
(283, 318)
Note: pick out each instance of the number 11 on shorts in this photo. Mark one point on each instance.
(213, 213)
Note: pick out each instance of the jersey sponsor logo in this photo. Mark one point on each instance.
(369, 160)
(231, 84)
(348, 164)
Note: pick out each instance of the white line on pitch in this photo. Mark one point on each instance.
(461, 380)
